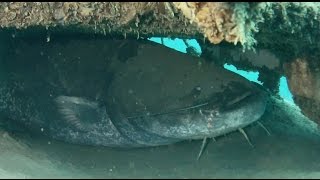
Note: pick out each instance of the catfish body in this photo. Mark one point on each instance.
(121, 93)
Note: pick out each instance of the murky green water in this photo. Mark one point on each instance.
(291, 151)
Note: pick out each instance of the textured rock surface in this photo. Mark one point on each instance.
(304, 83)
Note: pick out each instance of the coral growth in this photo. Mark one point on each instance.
(221, 21)
(214, 18)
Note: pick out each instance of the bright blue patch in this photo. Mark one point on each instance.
(177, 44)
(250, 75)
(284, 91)
(155, 39)
(194, 43)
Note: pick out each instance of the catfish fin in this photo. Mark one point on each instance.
(78, 112)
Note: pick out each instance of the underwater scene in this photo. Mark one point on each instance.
(88, 104)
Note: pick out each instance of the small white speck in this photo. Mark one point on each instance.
(42, 129)
(110, 170)
(49, 142)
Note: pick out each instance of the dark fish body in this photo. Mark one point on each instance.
(121, 93)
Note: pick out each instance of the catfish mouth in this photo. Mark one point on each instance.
(220, 102)
(224, 112)
(230, 112)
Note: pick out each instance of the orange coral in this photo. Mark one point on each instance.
(214, 18)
